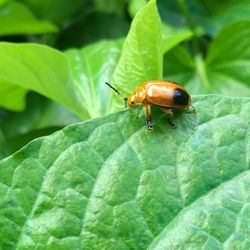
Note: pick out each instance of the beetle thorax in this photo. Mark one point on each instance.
(139, 95)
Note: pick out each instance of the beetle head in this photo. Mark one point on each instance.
(132, 101)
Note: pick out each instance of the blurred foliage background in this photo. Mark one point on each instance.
(205, 47)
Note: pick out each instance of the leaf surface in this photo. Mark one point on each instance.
(142, 55)
(91, 66)
(74, 79)
(12, 97)
(41, 117)
(211, 15)
(57, 11)
(110, 184)
(220, 220)
(224, 70)
(18, 19)
(39, 68)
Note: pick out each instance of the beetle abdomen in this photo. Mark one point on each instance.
(180, 97)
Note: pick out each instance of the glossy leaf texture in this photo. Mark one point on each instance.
(91, 66)
(18, 19)
(225, 68)
(108, 183)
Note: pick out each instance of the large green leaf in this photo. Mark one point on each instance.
(224, 70)
(141, 57)
(220, 220)
(110, 184)
(67, 78)
(18, 19)
(41, 69)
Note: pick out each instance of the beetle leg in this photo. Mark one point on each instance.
(147, 114)
(191, 109)
(170, 114)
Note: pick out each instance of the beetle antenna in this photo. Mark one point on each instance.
(125, 98)
(113, 88)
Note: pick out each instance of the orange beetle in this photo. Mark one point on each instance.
(165, 94)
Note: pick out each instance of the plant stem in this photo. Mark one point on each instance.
(201, 69)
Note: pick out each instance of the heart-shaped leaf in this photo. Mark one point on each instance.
(110, 184)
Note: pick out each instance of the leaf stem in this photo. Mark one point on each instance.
(201, 69)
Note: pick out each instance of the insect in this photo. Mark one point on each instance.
(165, 94)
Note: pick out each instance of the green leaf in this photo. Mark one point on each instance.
(135, 5)
(110, 184)
(41, 69)
(223, 13)
(220, 220)
(142, 53)
(18, 19)
(173, 36)
(75, 78)
(211, 15)
(141, 57)
(91, 66)
(57, 11)
(3, 3)
(12, 97)
(224, 70)
(228, 63)
(41, 117)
